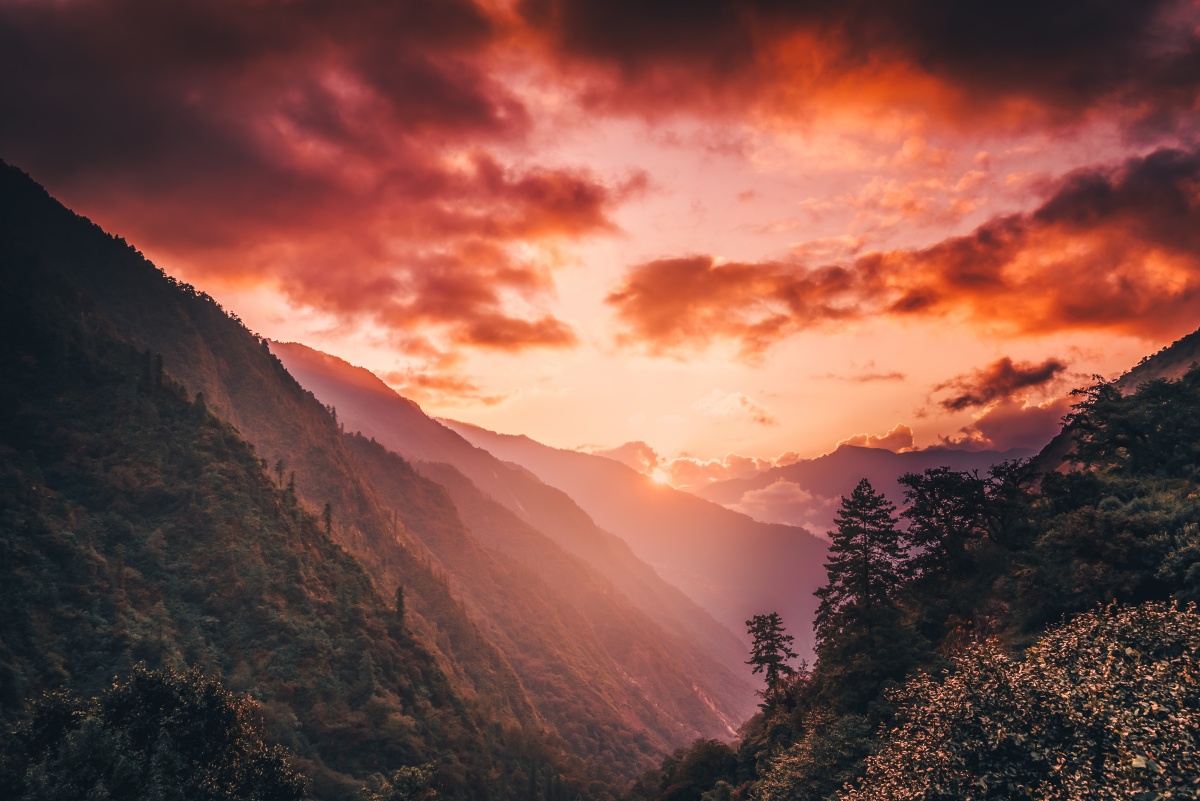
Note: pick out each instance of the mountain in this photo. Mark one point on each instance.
(1171, 363)
(513, 511)
(609, 718)
(810, 490)
(731, 565)
(136, 526)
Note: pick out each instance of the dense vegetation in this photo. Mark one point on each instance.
(156, 735)
(1014, 635)
(136, 527)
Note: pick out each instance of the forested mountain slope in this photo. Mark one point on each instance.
(135, 526)
(1009, 634)
(211, 354)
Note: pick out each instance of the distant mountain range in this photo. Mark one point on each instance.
(512, 511)
(810, 490)
(732, 565)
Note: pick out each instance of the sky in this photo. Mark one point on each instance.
(713, 236)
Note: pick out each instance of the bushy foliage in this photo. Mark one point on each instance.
(154, 735)
(1107, 706)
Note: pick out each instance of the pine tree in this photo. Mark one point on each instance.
(769, 653)
(864, 637)
(865, 565)
(946, 511)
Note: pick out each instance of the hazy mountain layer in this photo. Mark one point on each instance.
(811, 490)
(511, 510)
(728, 563)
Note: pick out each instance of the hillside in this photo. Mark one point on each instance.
(817, 484)
(513, 511)
(733, 566)
(138, 527)
(211, 354)
(1016, 634)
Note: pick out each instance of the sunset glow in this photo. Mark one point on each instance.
(735, 233)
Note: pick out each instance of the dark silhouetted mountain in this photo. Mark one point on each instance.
(733, 566)
(1170, 363)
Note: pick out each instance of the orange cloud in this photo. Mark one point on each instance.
(999, 381)
(734, 404)
(976, 63)
(898, 440)
(345, 153)
(1114, 249)
(638, 455)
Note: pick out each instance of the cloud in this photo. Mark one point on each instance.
(1110, 249)
(687, 472)
(1013, 423)
(974, 63)
(637, 455)
(347, 154)
(865, 377)
(785, 502)
(899, 440)
(734, 404)
(443, 389)
(1000, 380)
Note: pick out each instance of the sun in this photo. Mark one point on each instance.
(659, 477)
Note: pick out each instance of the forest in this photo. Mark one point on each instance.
(1028, 633)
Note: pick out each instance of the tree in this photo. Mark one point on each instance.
(158, 734)
(327, 516)
(864, 567)
(864, 639)
(769, 653)
(945, 512)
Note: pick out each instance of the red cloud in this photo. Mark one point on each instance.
(1000, 380)
(972, 60)
(1111, 249)
(345, 152)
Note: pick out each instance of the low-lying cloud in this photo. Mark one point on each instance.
(898, 440)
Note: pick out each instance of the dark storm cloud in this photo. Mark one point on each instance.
(341, 150)
(1065, 57)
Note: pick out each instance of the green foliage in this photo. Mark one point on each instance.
(770, 651)
(155, 735)
(1153, 431)
(864, 639)
(945, 513)
(1107, 706)
(825, 758)
(864, 565)
(410, 783)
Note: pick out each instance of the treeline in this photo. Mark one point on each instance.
(1011, 635)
